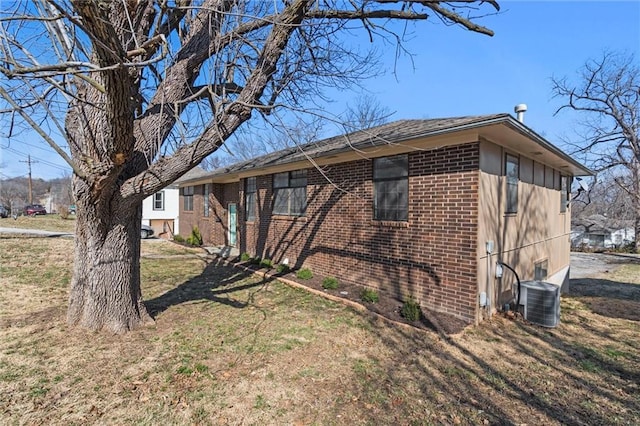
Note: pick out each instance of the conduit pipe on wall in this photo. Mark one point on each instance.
(517, 280)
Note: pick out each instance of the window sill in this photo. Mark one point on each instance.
(289, 218)
(390, 224)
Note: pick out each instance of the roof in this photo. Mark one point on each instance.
(388, 134)
(195, 173)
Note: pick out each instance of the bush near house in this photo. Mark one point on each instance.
(370, 295)
(304, 274)
(411, 310)
(195, 239)
(330, 283)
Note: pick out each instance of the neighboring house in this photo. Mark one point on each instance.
(599, 232)
(161, 210)
(421, 208)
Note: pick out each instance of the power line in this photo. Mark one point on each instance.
(48, 163)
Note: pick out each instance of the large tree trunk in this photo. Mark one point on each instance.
(105, 288)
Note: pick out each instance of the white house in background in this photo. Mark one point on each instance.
(161, 210)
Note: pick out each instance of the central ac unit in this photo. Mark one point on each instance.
(540, 303)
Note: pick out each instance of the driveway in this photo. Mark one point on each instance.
(589, 265)
(34, 232)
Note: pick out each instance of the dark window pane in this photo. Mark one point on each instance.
(512, 198)
(281, 180)
(250, 185)
(391, 167)
(250, 206)
(513, 174)
(281, 201)
(298, 201)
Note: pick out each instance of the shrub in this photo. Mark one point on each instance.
(245, 257)
(370, 295)
(330, 283)
(411, 310)
(178, 238)
(266, 263)
(195, 239)
(283, 269)
(304, 274)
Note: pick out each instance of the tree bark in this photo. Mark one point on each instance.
(105, 289)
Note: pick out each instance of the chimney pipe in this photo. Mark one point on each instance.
(520, 109)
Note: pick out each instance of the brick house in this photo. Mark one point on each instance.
(415, 207)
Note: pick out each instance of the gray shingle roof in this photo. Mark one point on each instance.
(396, 131)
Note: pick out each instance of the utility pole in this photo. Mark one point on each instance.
(29, 163)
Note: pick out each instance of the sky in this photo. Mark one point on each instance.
(456, 73)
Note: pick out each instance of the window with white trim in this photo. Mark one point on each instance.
(158, 201)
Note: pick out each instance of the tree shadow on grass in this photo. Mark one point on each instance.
(216, 283)
(608, 298)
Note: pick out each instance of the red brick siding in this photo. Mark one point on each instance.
(431, 256)
(214, 227)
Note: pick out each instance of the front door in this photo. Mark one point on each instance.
(233, 220)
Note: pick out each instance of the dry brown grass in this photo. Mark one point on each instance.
(228, 348)
(49, 222)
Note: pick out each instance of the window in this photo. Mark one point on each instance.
(187, 195)
(250, 199)
(564, 193)
(290, 193)
(205, 199)
(391, 188)
(540, 271)
(158, 200)
(512, 172)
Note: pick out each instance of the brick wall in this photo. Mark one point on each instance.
(431, 256)
(214, 227)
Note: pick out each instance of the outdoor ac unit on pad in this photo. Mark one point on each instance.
(540, 302)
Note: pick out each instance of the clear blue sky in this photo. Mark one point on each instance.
(461, 73)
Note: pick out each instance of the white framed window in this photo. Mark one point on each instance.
(391, 188)
(158, 201)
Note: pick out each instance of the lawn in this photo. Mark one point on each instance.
(49, 222)
(230, 348)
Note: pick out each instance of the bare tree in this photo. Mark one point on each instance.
(608, 97)
(365, 112)
(142, 91)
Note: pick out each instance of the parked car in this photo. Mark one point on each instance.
(4, 212)
(34, 209)
(146, 232)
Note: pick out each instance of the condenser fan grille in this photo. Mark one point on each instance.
(541, 302)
